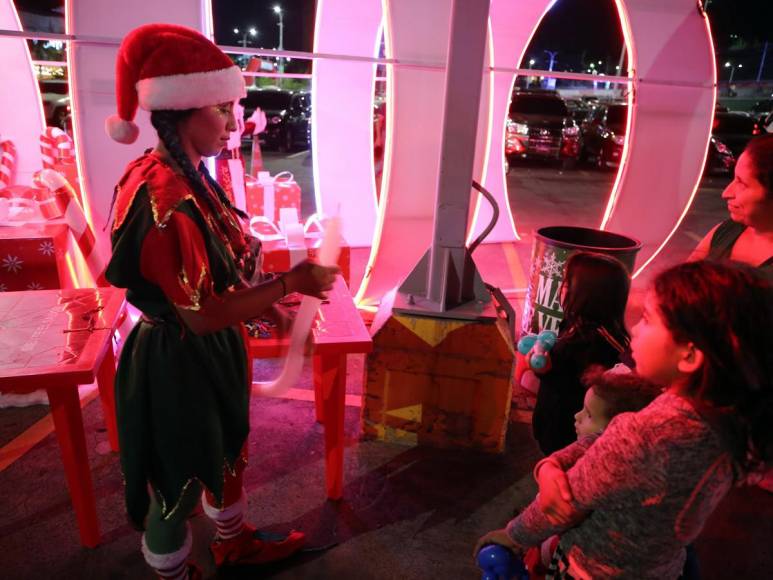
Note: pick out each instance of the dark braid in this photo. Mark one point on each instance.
(165, 123)
(221, 192)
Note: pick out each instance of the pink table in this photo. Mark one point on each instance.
(337, 333)
(57, 340)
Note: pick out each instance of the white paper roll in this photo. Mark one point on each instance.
(328, 256)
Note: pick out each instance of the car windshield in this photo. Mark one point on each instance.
(536, 105)
(267, 100)
(737, 124)
(616, 117)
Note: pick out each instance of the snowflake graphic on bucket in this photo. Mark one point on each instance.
(3, 288)
(34, 286)
(551, 267)
(12, 263)
(46, 248)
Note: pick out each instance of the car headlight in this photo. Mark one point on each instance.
(571, 131)
(520, 128)
(275, 119)
(618, 139)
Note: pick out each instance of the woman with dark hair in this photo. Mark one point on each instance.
(184, 376)
(747, 236)
(646, 487)
(592, 332)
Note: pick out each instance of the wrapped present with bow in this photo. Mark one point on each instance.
(32, 250)
(289, 242)
(47, 210)
(267, 195)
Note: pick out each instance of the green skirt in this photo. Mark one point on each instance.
(182, 404)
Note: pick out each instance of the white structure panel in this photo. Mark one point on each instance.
(414, 31)
(342, 115)
(21, 112)
(512, 26)
(672, 58)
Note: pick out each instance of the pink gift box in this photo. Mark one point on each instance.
(32, 257)
(267, 195)
(278, 257)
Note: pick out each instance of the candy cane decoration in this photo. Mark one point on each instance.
(76, 220)
(7, 163)
(55, 146)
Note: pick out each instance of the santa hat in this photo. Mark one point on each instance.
(166, 66)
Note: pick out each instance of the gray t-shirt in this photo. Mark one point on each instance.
(647, 484)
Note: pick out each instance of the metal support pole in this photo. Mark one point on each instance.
(446, 278)
(277, 9)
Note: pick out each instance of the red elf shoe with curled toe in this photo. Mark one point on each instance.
(254, 547)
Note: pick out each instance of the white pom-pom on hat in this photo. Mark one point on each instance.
(120, 130)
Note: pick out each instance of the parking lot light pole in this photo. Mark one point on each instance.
(280, 24)
(250, 31)
(732, 68)
(552, 54)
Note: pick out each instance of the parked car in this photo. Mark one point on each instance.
(56, 102)
(720, 158)
(603, 134)
(604, 138)
(287, 117)
(578, 109)
(763, 107)
(540, 126)
(735, 130)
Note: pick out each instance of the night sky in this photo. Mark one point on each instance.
(580, 31)
(298, 16)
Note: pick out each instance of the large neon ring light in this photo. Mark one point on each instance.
(672, 73)
(21, 111)
(671, 108)
(342, 115)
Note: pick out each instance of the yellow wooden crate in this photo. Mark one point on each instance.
(439, 382)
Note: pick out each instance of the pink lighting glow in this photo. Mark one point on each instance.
(381, 203)
(511, 27)
(22, 110)
(342, 137)
(630, 49)
(705, 155)
(75, 109)
(488, 141)
(501, 142)
(648, 205)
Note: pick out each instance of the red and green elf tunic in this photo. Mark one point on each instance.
(182, 400)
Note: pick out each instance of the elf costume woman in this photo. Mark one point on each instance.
(183, 380)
